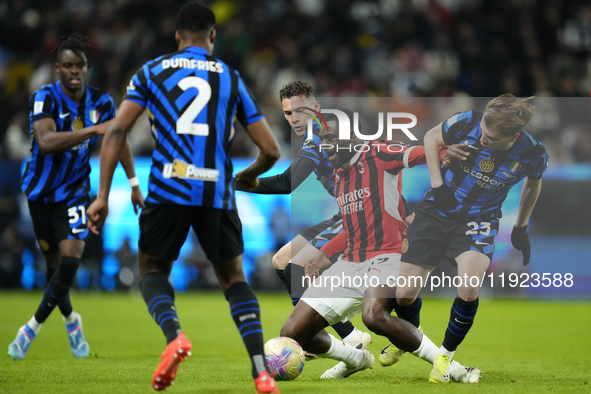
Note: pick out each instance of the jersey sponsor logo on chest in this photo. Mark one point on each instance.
(353, 201)
(182, 170)
(482, 180)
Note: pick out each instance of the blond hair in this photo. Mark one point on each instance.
(508, 114)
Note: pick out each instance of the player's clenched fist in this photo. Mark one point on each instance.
(97, 213)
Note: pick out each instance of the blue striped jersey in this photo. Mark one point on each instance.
(310, 149)
(192, 99)
(61, 176)
(482, 181)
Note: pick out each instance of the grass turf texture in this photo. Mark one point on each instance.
(521, 345)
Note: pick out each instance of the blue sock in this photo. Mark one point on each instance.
(159, 296)
(461, 319)
(246, 313)
(411, 313)
(58, 288)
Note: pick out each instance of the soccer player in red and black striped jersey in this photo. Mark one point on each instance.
(368, 184)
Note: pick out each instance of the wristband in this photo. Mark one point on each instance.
(133, 182)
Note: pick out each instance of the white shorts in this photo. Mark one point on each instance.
(337, 294)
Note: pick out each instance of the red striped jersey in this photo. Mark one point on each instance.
(369, 193)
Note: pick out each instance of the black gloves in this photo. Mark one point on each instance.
(444, 198)
(520, 241)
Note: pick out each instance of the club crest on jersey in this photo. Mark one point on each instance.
(94, 116)
(182, 170)
(487, 165)
(515, 166)
(405, 245)
(361, 167)
(43, 245)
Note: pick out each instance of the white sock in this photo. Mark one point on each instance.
(340, 351)
(69, 319)
(443, 350)
(426, 351)
(349, 339)
(34, 325)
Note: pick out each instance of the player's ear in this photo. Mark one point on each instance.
(57, 67)
(212, 35)
(317, 106)
(514, 137)
(177, 37)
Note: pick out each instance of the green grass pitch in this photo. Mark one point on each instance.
(521, 345)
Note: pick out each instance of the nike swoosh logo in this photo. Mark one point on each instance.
(481, 243)
(63, 115)
(461, 322)
(78, 230)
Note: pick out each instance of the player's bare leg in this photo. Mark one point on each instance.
(295, 274)
(159, 297)
(284, 255)
(408, 290)
(245, 311)
(306, 326)
(405, 336)
(378, 303)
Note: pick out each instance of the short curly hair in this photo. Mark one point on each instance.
(75, 42)
(296, 89)
(195, 17)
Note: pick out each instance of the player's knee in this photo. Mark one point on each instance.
(404, 298)
(375, 320)
(280, 261)
(288, 331)
(468, 294)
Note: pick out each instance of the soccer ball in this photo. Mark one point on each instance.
(285, 358)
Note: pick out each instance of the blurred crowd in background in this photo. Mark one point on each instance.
(404, 48)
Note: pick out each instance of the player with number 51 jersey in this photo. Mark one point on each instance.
(192, 99)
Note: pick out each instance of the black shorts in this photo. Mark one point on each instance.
(58, 221)
(316, 229)
(164, 229)
(431, 236)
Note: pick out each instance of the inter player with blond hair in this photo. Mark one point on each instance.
(460, 213)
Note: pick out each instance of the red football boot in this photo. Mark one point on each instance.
(176, 352)
(266, 384)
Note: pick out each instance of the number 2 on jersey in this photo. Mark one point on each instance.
(185, 123)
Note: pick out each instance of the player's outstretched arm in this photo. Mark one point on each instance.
(260, 133)
(137, 199)
(285, 183)
(529, 196)
(50, 141)
(113, 144)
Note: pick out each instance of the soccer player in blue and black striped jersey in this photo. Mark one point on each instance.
(461, 211)
(66, 118)
(192, 99)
